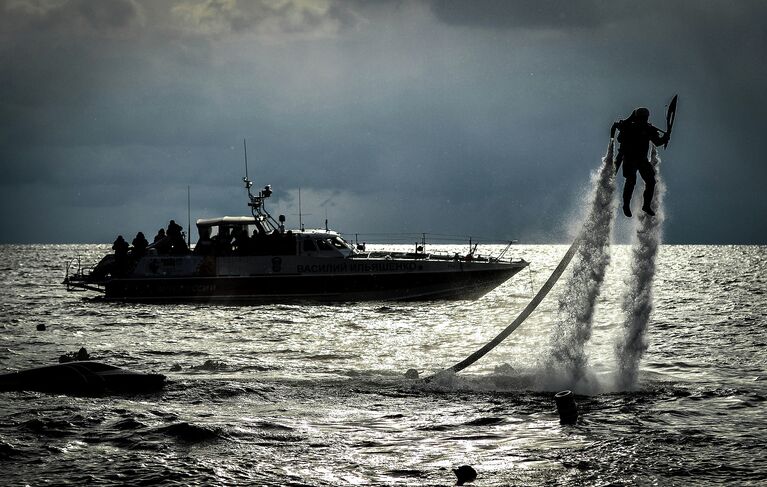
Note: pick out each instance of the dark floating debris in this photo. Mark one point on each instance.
(80, 378)
(483, 421)
(211, 364)
(41, 327)
(465, 473)
(411, 374)
(78, 356)
(566, 407)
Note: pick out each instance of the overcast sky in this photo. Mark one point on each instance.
(480, 117)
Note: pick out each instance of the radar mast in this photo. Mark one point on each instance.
(264, 221)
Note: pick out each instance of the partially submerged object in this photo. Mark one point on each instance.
(465, 474)
(79, 356)
(81, 378)
(254, 258)
(566, 407)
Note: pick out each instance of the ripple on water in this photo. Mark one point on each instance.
(314, 395)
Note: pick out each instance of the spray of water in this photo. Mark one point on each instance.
(637, 300)
(567, 363)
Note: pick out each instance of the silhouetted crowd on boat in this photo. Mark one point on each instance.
(170, 242)
(230, 240)
(166, 242)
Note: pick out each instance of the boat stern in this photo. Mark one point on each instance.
(78, 278)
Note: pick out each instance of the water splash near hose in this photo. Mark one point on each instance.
(567, 362)
(637, 300)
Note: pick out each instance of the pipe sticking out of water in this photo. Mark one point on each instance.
(566, 407)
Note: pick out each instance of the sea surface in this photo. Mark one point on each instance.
(316, 394)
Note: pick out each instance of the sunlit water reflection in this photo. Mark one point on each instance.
(315, 395)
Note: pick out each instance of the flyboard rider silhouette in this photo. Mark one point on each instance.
(635, 135)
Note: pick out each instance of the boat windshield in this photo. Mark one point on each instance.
(339, 243)
(330, 244)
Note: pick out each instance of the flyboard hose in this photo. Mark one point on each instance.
(542, 293)
(547, 286)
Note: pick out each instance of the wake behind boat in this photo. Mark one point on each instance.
(255, 259)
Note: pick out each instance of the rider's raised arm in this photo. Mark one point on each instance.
(616, 126)
(657, 138)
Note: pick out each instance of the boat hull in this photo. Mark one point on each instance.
(463, 284)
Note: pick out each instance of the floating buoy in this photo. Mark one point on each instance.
(566, 407)
(465, 473)
(41, 327)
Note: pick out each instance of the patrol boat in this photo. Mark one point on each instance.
(254, 259)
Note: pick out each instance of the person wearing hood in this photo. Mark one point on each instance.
(635, 135)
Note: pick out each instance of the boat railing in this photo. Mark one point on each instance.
(77, 278)
(70, 264)
(422, 241)
(506, 249)
(437, 255)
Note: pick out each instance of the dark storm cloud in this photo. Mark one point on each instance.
(70, 16)
(522, 13)
(480, 117)
(586, 14)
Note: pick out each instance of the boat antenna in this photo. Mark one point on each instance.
(188, 216)
(245, 147)
(300, 216)
(246, 179)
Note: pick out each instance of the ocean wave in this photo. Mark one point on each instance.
(190, 432)
(7, 450)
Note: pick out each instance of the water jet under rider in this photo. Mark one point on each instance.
(635, 135)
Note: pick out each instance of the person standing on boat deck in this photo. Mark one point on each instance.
(174, 230)
(120, 246)
(139, 244)
(176, 237)
(161, 242)
(635, 135)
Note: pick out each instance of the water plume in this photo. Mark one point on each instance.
(637, 300)
(567, 362)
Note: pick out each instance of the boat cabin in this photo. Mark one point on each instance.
(246, 235)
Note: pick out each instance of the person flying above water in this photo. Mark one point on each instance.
(635, 135)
